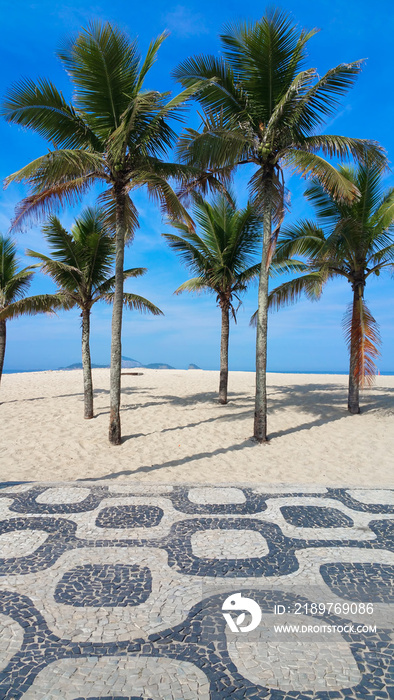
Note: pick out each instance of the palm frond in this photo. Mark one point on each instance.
(134, 302)
(219, 90)
(150, 59)
(361, 332)
(310, 284)
(160, 190)
(343, 147)
(59, 167)
(195, 284)
(109, 284)
(331, 179)
(304, 238)
(66, 276)
(35, 206)
(285, 266)
(382, 258)
(383, 217)
(323, 98)
(107, 202)
(191, 249)
(13, 287)
(41, 107)
(266, 56)
(41, 303)
(103, 64)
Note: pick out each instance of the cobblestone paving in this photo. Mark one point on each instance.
(117, 592)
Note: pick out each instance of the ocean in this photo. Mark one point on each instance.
(274, 371)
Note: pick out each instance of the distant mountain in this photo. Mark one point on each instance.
(127, 363)
(193, 366)
(158, 365)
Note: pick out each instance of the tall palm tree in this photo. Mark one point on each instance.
(222, 254)
(14, 283)
(81, 266)
(263, 108)
(349, 240)
(115, 132)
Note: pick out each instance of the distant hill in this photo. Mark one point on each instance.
(127, 363)
(158, 365)
(193, 366)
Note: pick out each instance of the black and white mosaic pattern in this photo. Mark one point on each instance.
(116, 591)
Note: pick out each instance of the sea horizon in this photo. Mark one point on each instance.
(269, 371)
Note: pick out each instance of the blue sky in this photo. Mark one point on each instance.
(307, 336)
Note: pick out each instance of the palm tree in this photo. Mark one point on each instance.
(81, 266)
(263, 108)
(222, 255)
(349, 240)
(13, 285)
(115, 132)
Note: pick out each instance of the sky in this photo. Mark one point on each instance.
(305, 337)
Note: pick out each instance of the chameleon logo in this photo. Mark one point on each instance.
(238, 603)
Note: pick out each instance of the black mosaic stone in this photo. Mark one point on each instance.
(129, 516)
(60, 539)
(254, 503)
(25, 502)
(348, 500)
(280, 559)
(384, 530)
(366, 582)
(7, 484)
(315, 516)
(104, 585)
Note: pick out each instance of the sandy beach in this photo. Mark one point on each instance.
(175, 431)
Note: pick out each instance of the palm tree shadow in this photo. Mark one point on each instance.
(325, 403)
(174, 462)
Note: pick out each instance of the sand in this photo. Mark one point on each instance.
(174, 431)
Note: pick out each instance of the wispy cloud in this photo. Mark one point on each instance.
(185, 23)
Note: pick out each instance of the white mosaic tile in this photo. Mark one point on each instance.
(19, 488)
(384, 497)
(301, 663)
(136, 489)
(216, 496)
(21, 543)
(86, 521)
(156, 678)
(11, 638)
(359, 531)
(290, 488)
(228, 544)
(168, 604)
(63, 494)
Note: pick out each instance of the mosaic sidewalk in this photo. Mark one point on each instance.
(119, 592)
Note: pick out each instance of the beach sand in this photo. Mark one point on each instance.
(174, 431)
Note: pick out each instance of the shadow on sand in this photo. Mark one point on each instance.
(325, 403)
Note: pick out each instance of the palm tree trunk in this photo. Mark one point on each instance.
(117, 311)
(223, 382)
(87, 365)
(3, 337)
(353, 403)
(260, 411)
